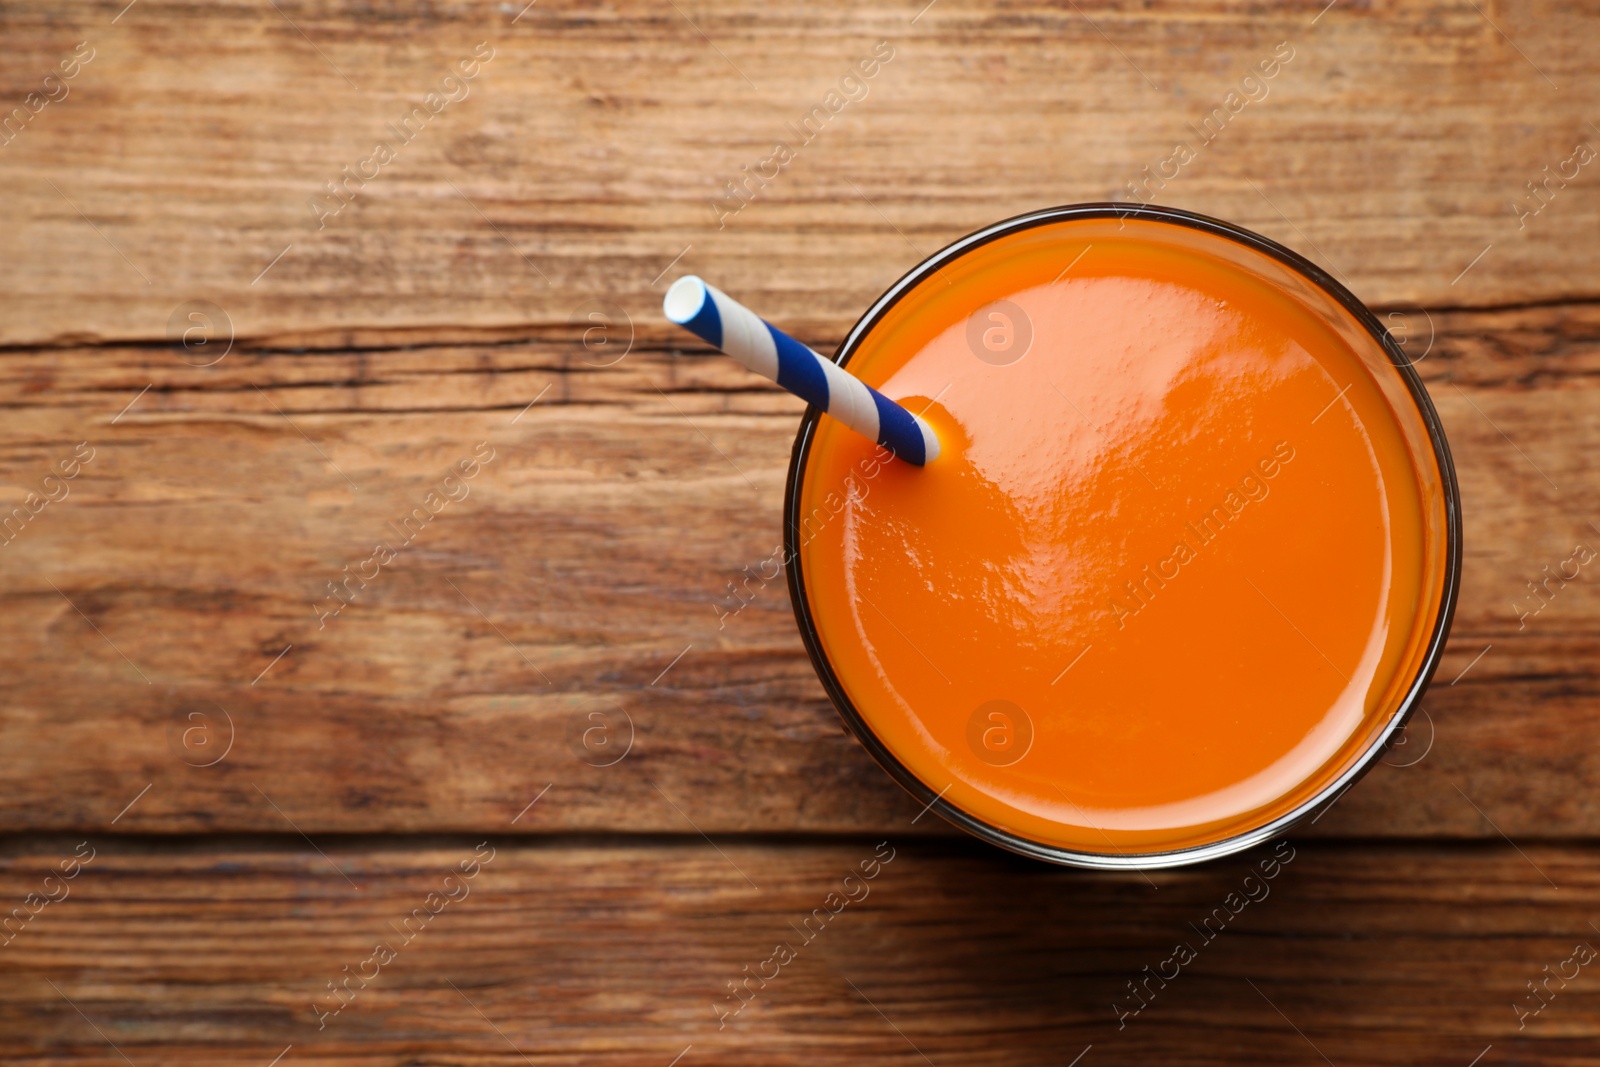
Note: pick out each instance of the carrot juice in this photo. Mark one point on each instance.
(1183, 565)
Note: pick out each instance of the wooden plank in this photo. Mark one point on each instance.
(581, 576)
(558, 953)
(593, 148)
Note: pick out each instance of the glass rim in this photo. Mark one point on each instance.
(1128, 860)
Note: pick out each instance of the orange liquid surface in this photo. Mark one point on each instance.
(1177, 565)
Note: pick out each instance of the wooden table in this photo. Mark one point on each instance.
(523, 758)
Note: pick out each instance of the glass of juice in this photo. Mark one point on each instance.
(1186, 561)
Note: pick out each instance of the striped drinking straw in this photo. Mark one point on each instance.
(724, 323)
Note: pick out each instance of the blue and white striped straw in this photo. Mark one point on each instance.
(724, 323)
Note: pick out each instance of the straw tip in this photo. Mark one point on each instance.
(684, 299)
(930, 442)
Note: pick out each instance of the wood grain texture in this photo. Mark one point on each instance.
(590, 553)
(590, 151)
(615, 953)
(542, 665)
